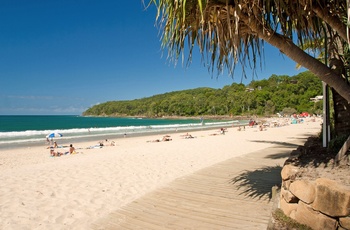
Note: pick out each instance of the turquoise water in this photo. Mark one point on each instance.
(24, 123)
(26, 130)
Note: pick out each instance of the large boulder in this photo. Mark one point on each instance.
(287, 208)
(304, 190)
(332, 199)
(286, 184)
(288, 196)
(316, 220)
(289, 172)
(344, 222)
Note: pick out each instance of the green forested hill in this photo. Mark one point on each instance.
(265, 97)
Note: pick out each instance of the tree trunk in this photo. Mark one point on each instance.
(341, 106)
(341, 115)
(286, 46)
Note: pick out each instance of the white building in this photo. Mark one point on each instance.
(317, 98)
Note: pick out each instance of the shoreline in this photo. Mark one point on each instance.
(115, 136)
(73, 191)
(33, 138)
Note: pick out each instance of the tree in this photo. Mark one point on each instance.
(236, 99)
(269, 108)
(228, 32)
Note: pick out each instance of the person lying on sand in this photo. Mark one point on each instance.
(165, 138)
(98, 146)
(221, 131)
(101, 144)
(106, 143)
(156, 140)
(55, 154)
(187, 136)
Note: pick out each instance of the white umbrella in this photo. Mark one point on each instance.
(53, 135)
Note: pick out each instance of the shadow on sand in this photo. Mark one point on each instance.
(258, 183)
(278, 143)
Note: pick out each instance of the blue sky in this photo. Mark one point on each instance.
(64, 56)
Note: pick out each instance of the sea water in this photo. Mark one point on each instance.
(32, 130)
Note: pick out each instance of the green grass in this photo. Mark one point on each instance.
(285, 222)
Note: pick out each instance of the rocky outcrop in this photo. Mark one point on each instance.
(320, 203)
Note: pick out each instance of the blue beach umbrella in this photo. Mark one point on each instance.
(53, 135)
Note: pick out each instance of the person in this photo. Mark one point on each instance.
(261, 127)
(166, 138)
(72, 149)
(98, 146)
(252, 123)
(55, 144)
(156, 140)
(222, 131)
(55, 154)
(188, 136)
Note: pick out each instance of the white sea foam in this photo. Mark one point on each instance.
(68, 134)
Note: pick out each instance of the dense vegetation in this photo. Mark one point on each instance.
(265, 97)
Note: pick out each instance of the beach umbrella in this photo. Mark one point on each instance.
(53, 135)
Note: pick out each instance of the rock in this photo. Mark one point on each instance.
(286, 184)
(288, 196)
(304, 190)
(332, 198)
(289, 172)
(292, 214)
(316, 220)
(287, 208)
(344, 222)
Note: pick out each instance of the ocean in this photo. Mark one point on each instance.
(31, 130)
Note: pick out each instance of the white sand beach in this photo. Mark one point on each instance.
(73, 191)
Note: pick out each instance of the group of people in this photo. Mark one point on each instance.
(187, 136)
(101, 144)
(165, 138)
(72, 150)
(107, 143)
(222, 131)
(54, 153)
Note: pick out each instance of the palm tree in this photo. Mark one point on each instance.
(231, 32)
(329, 51)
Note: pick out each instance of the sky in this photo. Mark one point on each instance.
(61, 57)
